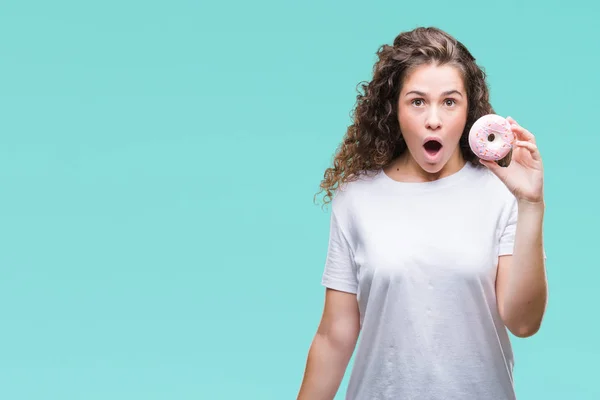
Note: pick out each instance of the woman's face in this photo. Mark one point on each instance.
(432, 113)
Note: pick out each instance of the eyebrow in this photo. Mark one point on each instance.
(447, 93)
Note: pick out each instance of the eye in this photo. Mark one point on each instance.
(417, 100)
(452, 102)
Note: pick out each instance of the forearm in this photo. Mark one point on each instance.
(526, 297)
(325, 367)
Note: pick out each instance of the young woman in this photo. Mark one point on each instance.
(434, 256)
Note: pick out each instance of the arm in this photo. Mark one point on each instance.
(332, 347)
(521, 283)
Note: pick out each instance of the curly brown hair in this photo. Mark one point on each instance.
(374, 139)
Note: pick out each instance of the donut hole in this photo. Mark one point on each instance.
(491, 137)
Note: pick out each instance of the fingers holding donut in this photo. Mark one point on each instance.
(524, 174)
(525, 139)
(522, 133)
(532, 147)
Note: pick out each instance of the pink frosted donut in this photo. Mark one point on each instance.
(491, 138)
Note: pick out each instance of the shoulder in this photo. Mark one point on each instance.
(349, 194)
(489, 181)
(495, 191)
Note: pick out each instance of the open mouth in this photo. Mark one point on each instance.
(432, 147)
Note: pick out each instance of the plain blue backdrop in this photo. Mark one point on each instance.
(158, 161)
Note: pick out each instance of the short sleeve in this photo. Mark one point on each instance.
(340, 269)
(507, 236)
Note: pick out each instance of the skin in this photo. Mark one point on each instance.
(425, 110)
(521, 286)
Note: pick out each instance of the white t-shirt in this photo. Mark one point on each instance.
(422, 260)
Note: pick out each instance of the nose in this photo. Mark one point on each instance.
(433, 120)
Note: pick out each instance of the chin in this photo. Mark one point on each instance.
(432, 168)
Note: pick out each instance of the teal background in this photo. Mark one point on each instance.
(158, 161)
